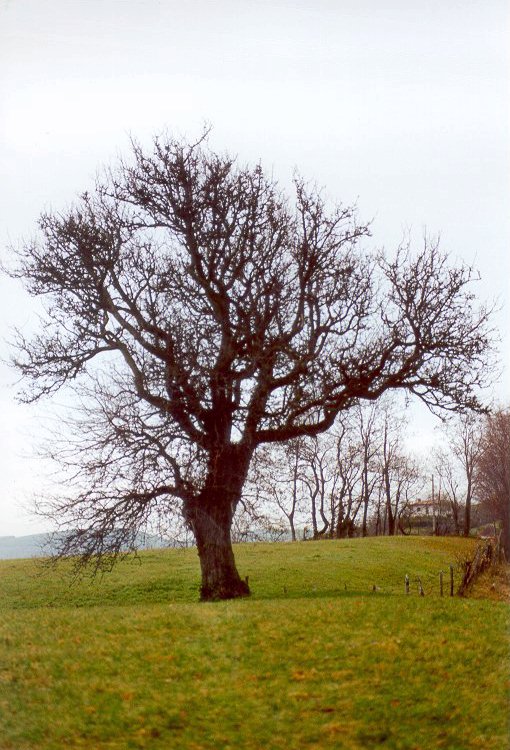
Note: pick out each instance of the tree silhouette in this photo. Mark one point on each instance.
(200, 314)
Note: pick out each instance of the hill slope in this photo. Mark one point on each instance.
(313, 659)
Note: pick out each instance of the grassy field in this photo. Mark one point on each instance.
(314, 659)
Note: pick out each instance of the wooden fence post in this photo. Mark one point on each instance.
(407, 583)
(420, 588)
(451, 580)
(440, 583)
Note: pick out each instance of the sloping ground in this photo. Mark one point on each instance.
(315, 659)
(283, 570)
(494, 584)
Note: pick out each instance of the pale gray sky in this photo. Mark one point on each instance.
(402, 106)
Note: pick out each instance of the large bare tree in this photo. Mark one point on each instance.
(202, 313)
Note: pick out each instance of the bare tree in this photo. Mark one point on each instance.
(206, 316)
(316, 477)
(458, 474)
(493, 470)
(466, 446)
(346, 492)
(368, 452)
(277, 476)
(399, 474)
(451, 487)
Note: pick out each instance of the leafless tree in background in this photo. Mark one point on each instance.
(466, 446)
(457, 466)
(400, 477)
(276, 477)
(347, 491)
(368, 450)
(317, 476)
(451, 491)
(201, 314)
(493, 470)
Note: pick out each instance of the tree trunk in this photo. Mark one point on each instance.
(504, 510)
(290, 518)
(325, 521)
(210, 516)
(391, 516)
(366, 498)
(467, 512)
(365, 517)
(315, 530)
(220, 579)
(455, 514)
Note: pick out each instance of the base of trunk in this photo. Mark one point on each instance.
(226, 589)
(220, 578)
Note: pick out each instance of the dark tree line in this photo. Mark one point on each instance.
(200, 314)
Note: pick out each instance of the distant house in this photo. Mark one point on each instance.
(430, 508)
(421, 508)
(431, 516)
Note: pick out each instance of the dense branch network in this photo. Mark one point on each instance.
(210, 316)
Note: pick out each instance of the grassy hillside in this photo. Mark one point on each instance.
(313, 659)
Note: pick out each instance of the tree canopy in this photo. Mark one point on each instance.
(201, 313)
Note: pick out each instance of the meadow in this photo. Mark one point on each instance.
(315, 658)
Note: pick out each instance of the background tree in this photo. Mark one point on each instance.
(204, 315)
(366, 420)
(456, 467)
(398, 475)
(450, 487)
(466, 446)
(344, 473)
(317, 477)
(345, 493)
(276, 476)
(493, 471)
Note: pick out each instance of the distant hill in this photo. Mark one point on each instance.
(41, 545)
(12, 547)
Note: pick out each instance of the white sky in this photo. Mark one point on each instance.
(402, 106)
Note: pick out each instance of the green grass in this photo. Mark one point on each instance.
(314, 659)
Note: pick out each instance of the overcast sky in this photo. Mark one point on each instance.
(401, 106)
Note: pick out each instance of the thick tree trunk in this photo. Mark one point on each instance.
(220, 579)
(210, 515)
